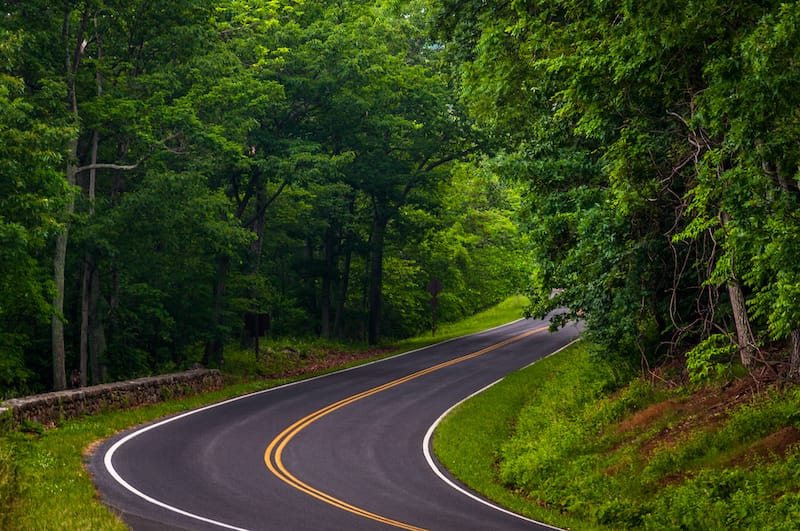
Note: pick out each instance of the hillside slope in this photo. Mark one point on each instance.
(651, 454)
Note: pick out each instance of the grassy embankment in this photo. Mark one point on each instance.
(43, 484)
(553, 442)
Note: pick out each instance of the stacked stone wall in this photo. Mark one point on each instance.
(54, 407)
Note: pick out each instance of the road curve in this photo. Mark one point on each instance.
(346, 451)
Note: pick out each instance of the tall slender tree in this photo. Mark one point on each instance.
(33, 136)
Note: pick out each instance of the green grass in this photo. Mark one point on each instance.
(468, 440)
(555, 443)
(43, 483)
(509, 310)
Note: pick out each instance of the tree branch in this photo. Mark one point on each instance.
(263, 208)
(123, 167)
(107, 166)
(426, 166)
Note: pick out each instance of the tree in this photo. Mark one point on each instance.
(648, 133)
(466, 235)
(32, 141)
(249, 130)
(289, 157)
(406, 132)
(122, 68)
(749, 105)
(168, 235)
(375, 122)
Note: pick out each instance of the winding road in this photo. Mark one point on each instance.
(346, 451)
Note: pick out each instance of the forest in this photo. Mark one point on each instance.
(169, 168)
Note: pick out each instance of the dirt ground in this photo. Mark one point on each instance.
(333, 359)
(708, 408)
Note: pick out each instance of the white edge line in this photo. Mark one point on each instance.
(111, 470)
(426, 449)
(109, 455)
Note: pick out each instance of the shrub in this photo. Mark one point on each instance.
(710, 358)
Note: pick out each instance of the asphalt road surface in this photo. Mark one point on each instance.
(346, 451)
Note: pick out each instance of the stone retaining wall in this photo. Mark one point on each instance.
(61, 405)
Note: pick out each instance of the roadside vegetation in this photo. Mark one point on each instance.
(570, 442)
(40, 464)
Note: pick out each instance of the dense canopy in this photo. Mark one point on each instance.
(168, 168)
(658, 142)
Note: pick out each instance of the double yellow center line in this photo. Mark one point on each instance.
(274, 453)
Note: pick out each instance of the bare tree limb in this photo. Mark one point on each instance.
(123, 167)
(107, 166)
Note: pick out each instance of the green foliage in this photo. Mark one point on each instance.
(283, 157)
(658, 145)
(532, 433)
(710, 358)
(403, 298)
(468, 238)
(165, 260)
(32, 147)
(731, 498)
(467, 441)
(551, 442)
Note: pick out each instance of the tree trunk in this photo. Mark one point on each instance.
(325, 308)
(744, 331)
(84, 342)
(71, 63)
(59, 266)
(794, 355)
(257, 246)
(213, 355)
(327, 277)
(344, 285)
(375, 297)
(88, 266)
(340, 304)
(57, 322)
(92, 341)
(93, 338)
(89, 263)
(112, 329)
(97, 333)
(308, 278)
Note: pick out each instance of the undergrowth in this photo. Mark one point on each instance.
(705, 457)
(7, 482)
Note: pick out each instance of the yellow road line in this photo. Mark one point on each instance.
(274, 452)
